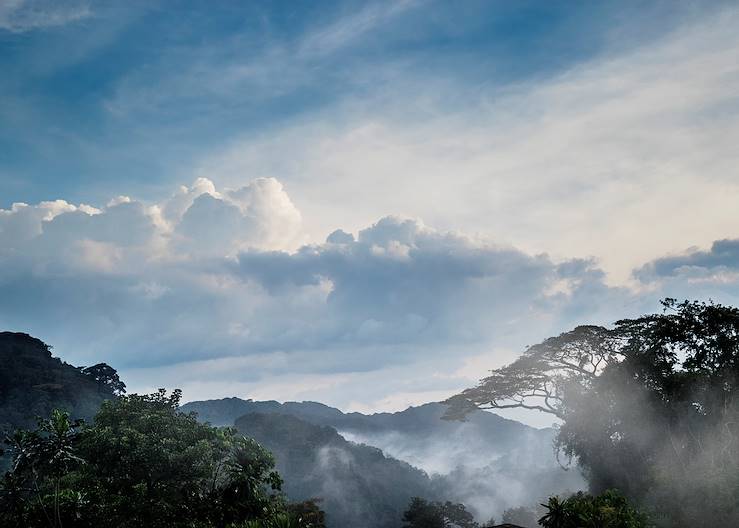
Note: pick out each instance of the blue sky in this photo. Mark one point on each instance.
(489, 173)
(123, 98)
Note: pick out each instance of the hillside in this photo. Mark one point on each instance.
(417, 435)
(488, 462)
(358, 484)
(33, 382)
(423, 422)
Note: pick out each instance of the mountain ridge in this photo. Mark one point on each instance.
(358, 485)
(224, 412)
(488, 462)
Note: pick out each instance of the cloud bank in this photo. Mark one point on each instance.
(623, 152)
(216, 291)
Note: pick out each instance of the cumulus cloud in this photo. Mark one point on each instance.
(401, 281)
(257, 215)
(213, 275)
(23, 222)
(213, 290)
(197, 218)
(74, 272)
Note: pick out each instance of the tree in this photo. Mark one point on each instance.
(141, 463)
(308, 513)
(425, 514)
(43, 455)
(650, 407)
(106, 376)
(609, 510)
(539, 379)
(55, 453)
(155, 466)
(422, 514)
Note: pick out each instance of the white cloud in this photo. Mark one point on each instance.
(196, 221)
(711, 273)
(403, 282)
(257, 215)
(175, 207)
(209, 291)
(218, 273)
(22, 222)
(625, 158)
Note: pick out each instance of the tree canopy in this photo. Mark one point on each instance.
(424, 514)
(142, 462)
(650, 407)
(107, 377)
(539, 378)
(609, 510)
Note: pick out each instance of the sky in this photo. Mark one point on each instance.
(368, 204)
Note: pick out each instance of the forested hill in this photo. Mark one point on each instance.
(32, 383)
(488, 462)
(414, 435)
(358, 484)
(423, 421)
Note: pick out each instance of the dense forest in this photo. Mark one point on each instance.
(647, 412)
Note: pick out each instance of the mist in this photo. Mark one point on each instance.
(468, 469)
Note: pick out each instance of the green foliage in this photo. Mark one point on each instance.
(141, 463)
(33, 383)
(661, 424)
(307, 513)
(107, 377)
(609, 510)
(425, 514)
(649, 407)
(281, 520)
(42, 458)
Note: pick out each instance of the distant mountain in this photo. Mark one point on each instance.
(423, 422)
(225, 411)
(33, 383)
(359, 485)
(488, 462)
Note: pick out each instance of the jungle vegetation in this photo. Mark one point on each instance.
(142, 462)
(649, 407)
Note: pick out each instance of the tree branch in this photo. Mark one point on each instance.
(521, 405)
